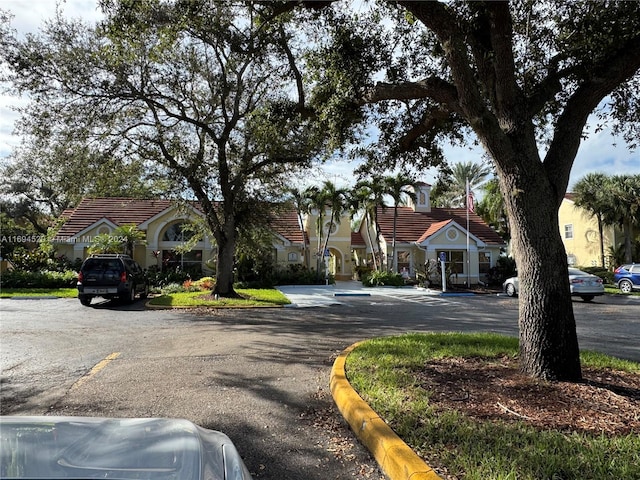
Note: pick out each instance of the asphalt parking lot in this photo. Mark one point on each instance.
(261, 375)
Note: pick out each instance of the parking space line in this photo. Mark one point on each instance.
(97, 367)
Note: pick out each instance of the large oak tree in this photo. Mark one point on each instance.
(206, 91)
(523, 78)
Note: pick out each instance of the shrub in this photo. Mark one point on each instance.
(44, 279)
(299, 275)
(505, 268)
(603, 273)
(205, 283)
(162, 279)
(362, 271)
(172, 288)
(381, 279)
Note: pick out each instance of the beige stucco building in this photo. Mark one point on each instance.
(423, 234)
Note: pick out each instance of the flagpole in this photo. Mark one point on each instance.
(468, 259)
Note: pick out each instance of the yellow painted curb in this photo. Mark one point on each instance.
(397, 460)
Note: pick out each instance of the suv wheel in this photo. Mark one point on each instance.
(129, 296)
(85, 300)
(625, 286)
(132, 294)
(510, 290)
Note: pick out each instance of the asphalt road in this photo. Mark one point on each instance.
(259, 375)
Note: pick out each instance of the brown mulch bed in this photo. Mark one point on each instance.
(605, 402)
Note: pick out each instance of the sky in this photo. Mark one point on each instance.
(600, 152)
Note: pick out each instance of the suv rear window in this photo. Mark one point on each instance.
(102, 265)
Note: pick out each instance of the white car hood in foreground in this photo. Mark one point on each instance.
(131, 448)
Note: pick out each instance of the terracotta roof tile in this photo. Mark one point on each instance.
(120, 211)
(287, 225)
(357, 240)
(123, 211)
(417, 226)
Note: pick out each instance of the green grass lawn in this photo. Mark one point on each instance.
(249, 298)
(39, 292)
(383, 372)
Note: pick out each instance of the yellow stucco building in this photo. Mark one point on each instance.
(579, 231)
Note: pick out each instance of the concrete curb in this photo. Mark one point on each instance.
(394, 456)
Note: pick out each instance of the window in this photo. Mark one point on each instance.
(484, 262)
(568, 230)
(293, 257)
(454, 260)
(404, 261)
(334, 227)
(178, 232)
(452, 234)
(185, 261)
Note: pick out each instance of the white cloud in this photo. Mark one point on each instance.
(29, 17)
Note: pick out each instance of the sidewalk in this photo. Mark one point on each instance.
(302, 296)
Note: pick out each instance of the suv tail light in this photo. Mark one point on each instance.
(80, 277)
(123, 277)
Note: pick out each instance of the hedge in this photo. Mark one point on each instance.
(44, 279)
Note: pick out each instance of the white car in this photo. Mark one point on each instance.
(582, 284)
(122, 448)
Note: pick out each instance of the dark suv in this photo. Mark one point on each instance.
(627, 277)
(111, 276)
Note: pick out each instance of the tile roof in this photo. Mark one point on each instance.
(118, 210)
(417, 226)
(287, 225)
(123, 211)
(357, 240)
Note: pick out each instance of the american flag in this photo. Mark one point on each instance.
(470, 199)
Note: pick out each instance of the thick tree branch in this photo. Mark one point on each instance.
(437, 17)
(434, 88)
(430, 120)
(603, 79)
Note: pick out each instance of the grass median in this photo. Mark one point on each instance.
(247, 298)
(39, 292)
(388, 373)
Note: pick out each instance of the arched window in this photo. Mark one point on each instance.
(178, 232)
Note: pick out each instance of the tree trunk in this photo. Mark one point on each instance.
(226, 241)
(627, 229)
(548, 341)
(601, 237)
(373, 252)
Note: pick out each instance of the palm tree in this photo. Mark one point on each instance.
(337, 199)
(362, 200)
(367, 196)
(399, 188)
(319, 199)
(591, 194)
(129, 235)
(302, 205)
(625, 211)
(451, 191)
(105, 243)
(492, 209)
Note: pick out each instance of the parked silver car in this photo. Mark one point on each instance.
(123, 448)
(582, 284)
